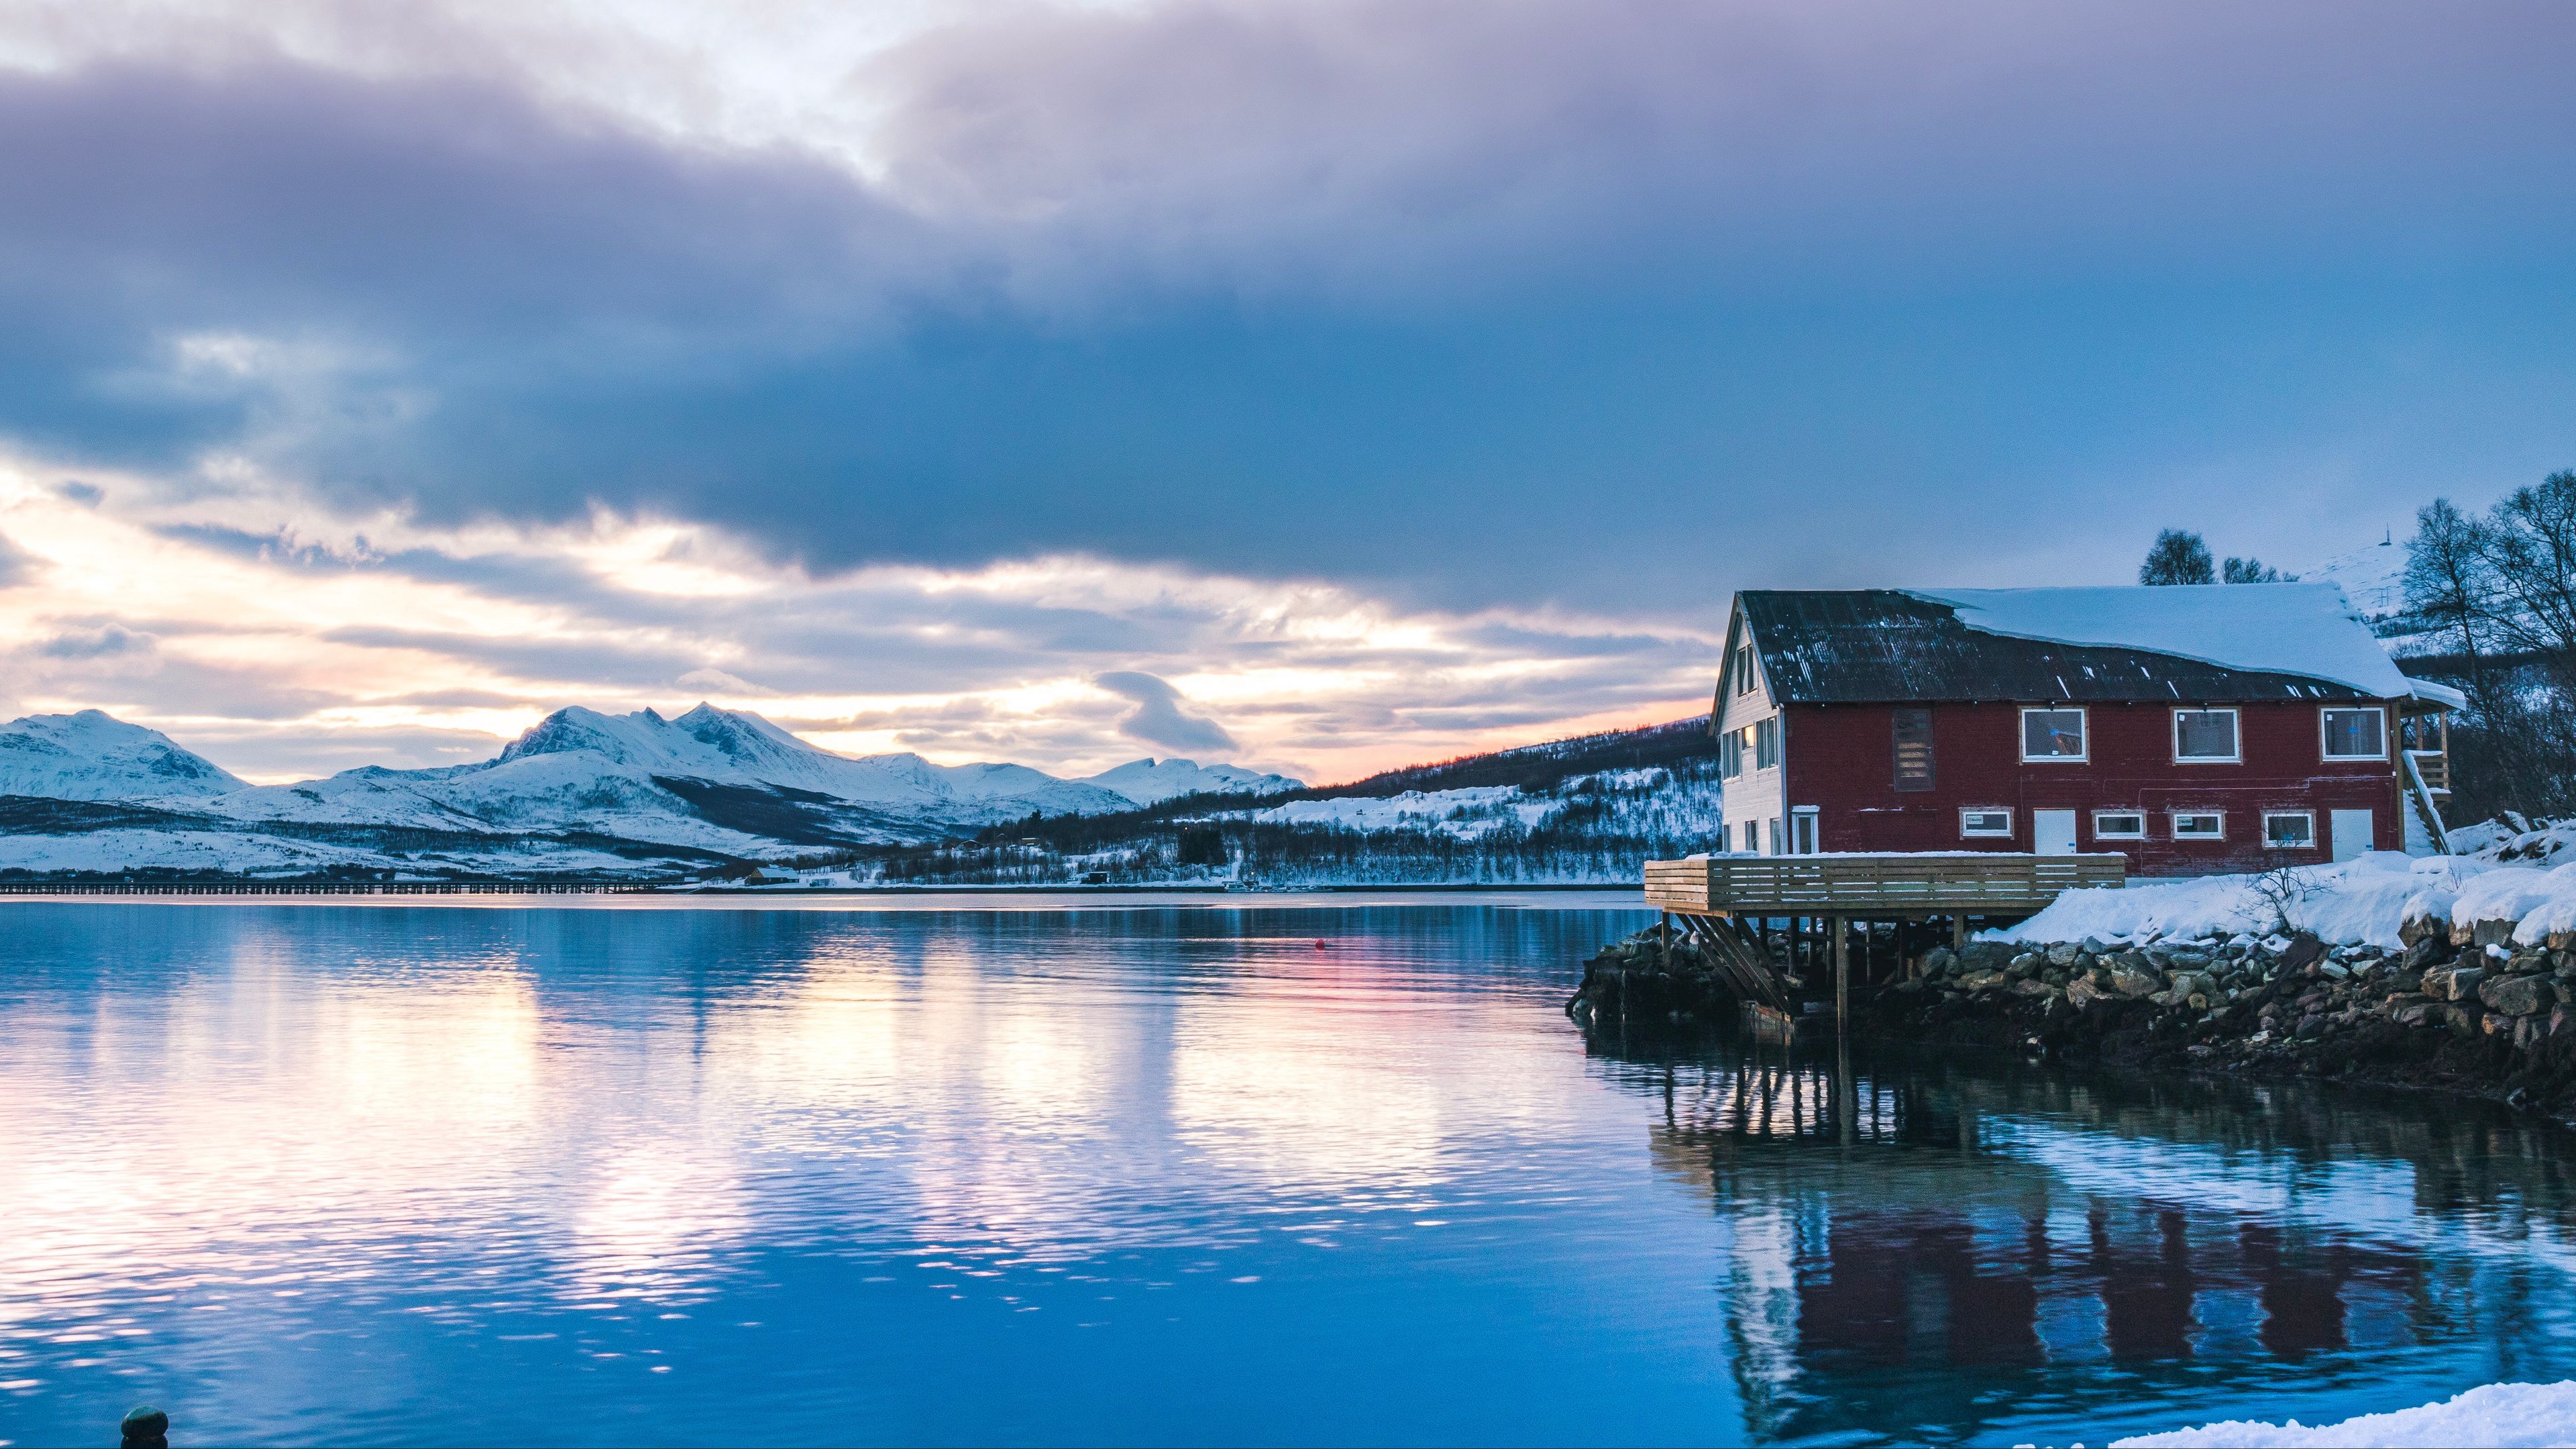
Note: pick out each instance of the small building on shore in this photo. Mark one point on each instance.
(2192, 729)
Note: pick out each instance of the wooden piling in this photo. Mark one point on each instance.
(1842, 972)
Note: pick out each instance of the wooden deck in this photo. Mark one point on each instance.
(1874, 887)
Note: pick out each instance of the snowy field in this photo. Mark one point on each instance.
(2363, 902)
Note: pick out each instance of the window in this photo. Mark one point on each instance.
(1802, 830)
(1775, 836)
(2119, 825)
(1752, 842)
(2199, 825)
(1766, 743)
(1730, 756)
(2052, 734)
(1985, 822)
(2356, 734)
(2205, 735)
(1744, 669)
(1913, 750)
(2289, 829)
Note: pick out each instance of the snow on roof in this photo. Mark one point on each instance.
(2309, 629)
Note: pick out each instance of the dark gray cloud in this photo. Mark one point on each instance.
(1158, 718)
(1471, 302)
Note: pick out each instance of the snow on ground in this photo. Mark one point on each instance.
(2361, 902)
(2496, 1416)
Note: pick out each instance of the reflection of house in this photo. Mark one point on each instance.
(2191, 729)
(1928, 1267)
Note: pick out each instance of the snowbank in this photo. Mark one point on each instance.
(2497, 1416)
(2361, 902)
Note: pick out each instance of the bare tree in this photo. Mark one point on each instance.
(2179, 557)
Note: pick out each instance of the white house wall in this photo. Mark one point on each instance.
(1756, 794)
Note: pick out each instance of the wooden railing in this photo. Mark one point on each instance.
(2435, 768)
(1874, 885)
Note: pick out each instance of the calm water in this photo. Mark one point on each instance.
(307, 1173)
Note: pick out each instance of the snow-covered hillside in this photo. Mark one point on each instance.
(93, 756)
(707, 787)
(1150, 782)
(2373, 578)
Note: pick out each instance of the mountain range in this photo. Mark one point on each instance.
(580, 792)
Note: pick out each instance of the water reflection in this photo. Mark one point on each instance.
(1135, 1176)
(1920, 1249)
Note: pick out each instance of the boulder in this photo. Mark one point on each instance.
(2429, 951)
(2414, 1013)
(2036, 988)
(2135, 983)
(2463, 1019)
(1982, 980)
(1938, 960)
(2064, 953)
(2022, 965)
(2492, 933)
(2082, 992)
(2515, 995)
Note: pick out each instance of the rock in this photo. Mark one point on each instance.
(2135, 983)
(2524, 1033)
(2334, 970)
(1938, 960)
(2036, 988)
(2514, 995)
(2415, 930)
(2430, 951)
(2196, 1002)
(1982, 980)
(2463, 1019)
(2415, 1013)
(2182, 982)
(2022, 965)
(2561, 1021)
(2310, 1028)
(2094, 945)
(2083, 992)
(2064, 953)
(2492, 933)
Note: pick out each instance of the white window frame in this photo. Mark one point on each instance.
(2323, 736)
(1765, 731)
(2235, 734)
(2310, 816)
(2086, 726)
(1745, 676)
(1730, 757)
(1779, 838)
(1968, 832)
(1752, 837)
(2138, 834)
(1806, 820)
(2176, 817)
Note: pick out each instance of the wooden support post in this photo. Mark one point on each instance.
(1664, 936)
(1842, 972)
(1959, 932)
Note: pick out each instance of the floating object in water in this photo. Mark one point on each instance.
(1319, 945)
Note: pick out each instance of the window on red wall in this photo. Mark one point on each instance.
(1913, 749)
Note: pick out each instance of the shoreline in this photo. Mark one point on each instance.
(981, 898)
(2465, 1021)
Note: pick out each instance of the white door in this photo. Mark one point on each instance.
(2352, 833)
(2052, 832)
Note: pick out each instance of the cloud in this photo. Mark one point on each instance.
(1159, 718)
(17, 566)
(1459, 303)
(105, 642)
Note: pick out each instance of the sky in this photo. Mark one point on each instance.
(1322, 385)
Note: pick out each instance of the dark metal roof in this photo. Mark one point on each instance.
(1879, 646)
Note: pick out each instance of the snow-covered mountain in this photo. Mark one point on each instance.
(710, 785)
(95, 756)
(1150, 781)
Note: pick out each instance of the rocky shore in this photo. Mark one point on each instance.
(2459, 1009)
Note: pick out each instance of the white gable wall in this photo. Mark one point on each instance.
(1755, 794)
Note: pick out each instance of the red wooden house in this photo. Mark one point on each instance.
(2192, 729)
